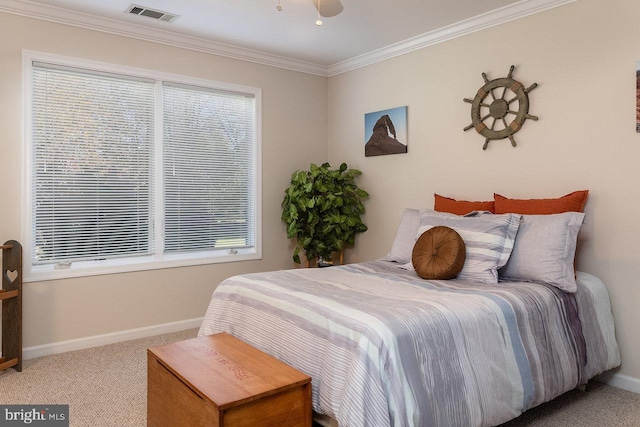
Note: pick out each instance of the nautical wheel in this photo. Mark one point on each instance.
(500, 108)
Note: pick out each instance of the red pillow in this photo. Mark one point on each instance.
(572, 202)
(460, 207)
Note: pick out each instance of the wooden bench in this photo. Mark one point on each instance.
(219, 380)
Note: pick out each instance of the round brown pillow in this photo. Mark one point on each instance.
(439, 253)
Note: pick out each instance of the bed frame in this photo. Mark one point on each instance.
(11, 297)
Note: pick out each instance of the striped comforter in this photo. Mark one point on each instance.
(386, 348)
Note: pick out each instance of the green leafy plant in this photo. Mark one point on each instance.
(323, 210)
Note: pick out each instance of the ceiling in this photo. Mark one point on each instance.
(366, 31)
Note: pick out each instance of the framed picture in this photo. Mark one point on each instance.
(385, 132)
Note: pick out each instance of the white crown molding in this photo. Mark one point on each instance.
(87, 21)
(82, 20)
(496, 17)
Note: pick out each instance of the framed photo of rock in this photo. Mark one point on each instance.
(385, 132)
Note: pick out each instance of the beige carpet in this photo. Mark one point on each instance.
(106, 386)
(599, 406)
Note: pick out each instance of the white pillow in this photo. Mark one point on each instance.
(488, 239)
(405, 237)
(544, 250)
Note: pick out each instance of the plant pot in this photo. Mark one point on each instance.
(323, 262)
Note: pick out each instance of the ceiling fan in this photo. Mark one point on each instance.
(326, 8)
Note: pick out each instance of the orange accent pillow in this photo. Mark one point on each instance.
(460, 207)
(572, 202)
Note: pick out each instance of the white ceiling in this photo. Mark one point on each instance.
(366, 31)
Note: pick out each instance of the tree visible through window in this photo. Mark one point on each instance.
(92, 145)
(208, 148)
(102, 179)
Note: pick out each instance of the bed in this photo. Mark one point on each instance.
(385, 347)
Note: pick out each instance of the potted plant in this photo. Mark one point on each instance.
(323, 208)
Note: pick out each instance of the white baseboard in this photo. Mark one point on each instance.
(624, 382)
(114, 337)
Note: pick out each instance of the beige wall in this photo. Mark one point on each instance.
(583, 56)
(63, 310)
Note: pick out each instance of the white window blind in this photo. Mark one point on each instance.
(209, 151)
(92, 151)
(131, 172)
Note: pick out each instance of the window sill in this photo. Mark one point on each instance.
(95, 268)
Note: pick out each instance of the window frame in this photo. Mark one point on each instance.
(159, 260)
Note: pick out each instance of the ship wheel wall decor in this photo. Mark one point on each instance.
(494, 113)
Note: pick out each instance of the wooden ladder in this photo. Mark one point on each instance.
(11, 297)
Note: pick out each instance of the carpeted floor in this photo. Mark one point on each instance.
(600, 406)
(106, 386)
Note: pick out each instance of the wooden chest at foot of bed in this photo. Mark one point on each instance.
(219, 380)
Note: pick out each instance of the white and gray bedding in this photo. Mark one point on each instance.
(386, 348)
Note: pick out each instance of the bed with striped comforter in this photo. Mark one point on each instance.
(386, 348)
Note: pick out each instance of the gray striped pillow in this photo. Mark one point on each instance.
(488, 238)
(545, 250)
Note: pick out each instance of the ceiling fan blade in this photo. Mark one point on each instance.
(328, 8)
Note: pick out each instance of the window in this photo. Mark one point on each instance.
(208, 154)
(131, 169)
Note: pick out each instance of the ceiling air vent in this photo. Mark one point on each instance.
(151, 13)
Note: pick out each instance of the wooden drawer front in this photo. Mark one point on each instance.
(170, 403)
